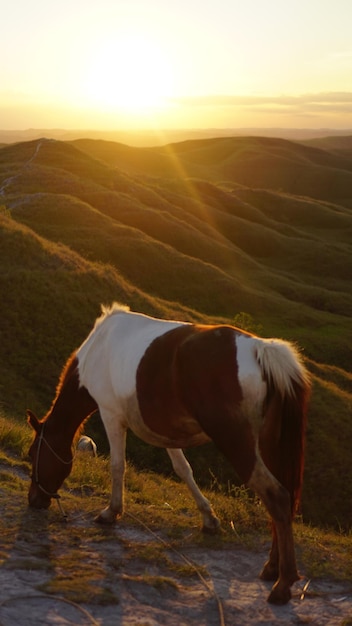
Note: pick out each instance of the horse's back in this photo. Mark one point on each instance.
(109, 357)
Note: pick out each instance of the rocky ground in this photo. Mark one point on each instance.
(222, 590)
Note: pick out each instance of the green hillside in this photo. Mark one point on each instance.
(258, 162)
(242, 230)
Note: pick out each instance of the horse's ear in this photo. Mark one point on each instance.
(33, 420)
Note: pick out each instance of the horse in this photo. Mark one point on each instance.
(177, 384)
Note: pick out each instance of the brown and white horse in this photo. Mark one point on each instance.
(177, 385)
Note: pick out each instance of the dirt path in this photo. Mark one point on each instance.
(131, 588)
(8, 181)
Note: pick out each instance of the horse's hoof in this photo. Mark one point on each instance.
(279, 596)
(106, 519)
(212, 529)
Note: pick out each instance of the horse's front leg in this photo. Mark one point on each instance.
(117, 440)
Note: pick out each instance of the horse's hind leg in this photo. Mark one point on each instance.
(270, 570)
(211, 523)
(277, 501)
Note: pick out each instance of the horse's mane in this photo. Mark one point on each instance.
(115, 307)
(111, 309)
(70, 370)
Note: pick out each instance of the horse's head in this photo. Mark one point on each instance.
(50, 465)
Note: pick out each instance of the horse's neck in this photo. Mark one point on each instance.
(72, 405)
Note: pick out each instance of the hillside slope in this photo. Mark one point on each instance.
(259, 162)
(283, 259)
(50, 299)
(176, 232)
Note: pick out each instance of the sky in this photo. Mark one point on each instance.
(129, 64)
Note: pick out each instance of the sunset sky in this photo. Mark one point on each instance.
(113, 64)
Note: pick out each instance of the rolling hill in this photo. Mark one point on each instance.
(244, 230)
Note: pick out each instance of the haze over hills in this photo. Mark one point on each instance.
(250, 230)
(154, 137)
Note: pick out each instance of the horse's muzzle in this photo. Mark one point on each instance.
(37, 499)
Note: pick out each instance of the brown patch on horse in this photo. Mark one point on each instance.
(158, 398)
(187, 381)
(73, 404)
(210, 390)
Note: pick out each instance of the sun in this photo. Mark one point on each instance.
(130, 73)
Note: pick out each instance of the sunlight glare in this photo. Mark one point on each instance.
(129, 73)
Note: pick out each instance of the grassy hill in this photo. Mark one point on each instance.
(251, 231)
(258, 162)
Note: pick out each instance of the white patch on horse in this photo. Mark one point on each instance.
(117, 347)
(251, 381)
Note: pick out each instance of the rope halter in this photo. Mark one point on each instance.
(55, 495)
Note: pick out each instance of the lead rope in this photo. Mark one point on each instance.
(189, 562)
(63, 514)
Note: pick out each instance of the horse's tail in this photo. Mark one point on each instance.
(282, 436)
